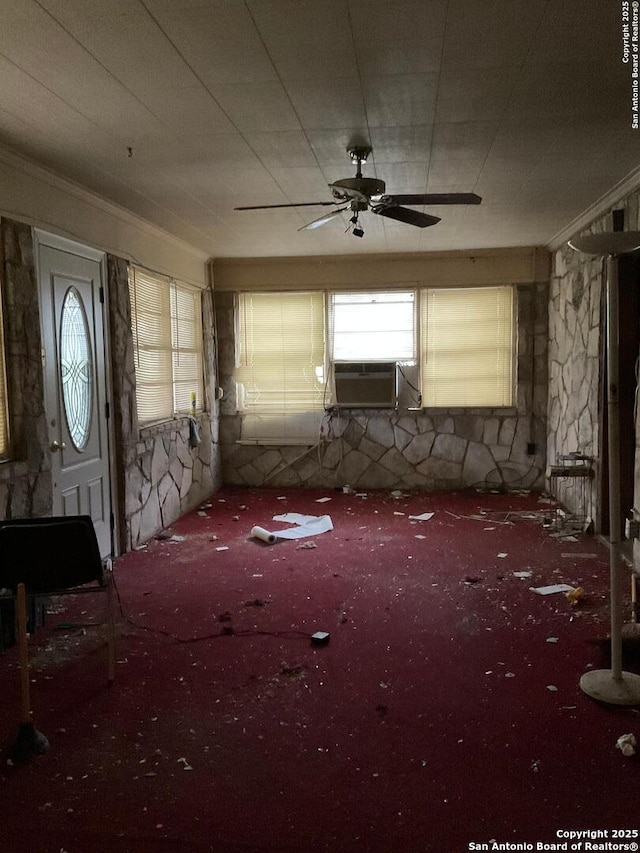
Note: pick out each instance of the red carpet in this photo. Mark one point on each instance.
(425, 724)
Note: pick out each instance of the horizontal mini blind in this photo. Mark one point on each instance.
(467, 345)
(186, 342)
(373, 326)
(281, 349)
(4, 431)
(151, 324)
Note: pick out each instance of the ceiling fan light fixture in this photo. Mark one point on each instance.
(359, 154)
(360, 194)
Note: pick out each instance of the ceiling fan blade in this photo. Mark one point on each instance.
(272, 206)
(322, 219)
(404, 214)
(430, 198)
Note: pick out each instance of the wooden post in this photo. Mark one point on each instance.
(23, 650)
(111, 630)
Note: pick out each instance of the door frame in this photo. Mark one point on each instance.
(629, 354)
(64, 244)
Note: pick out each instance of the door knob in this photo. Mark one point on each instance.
(57, 445)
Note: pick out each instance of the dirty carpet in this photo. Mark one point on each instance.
(443, 711)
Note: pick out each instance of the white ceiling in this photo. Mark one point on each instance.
(237, 102)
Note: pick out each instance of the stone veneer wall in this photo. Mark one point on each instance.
(575, 297)
(160, 476)
(157, 475)
(25, 480)
(427, 449)
(575, 358)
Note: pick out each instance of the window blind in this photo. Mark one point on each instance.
(467, 346)
(281, 352)
(4, 430)
(150, 318)
(373, 326)
(167, 335)
(186, 343)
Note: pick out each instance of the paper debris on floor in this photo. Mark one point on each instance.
(502, 555)
(306, 525)
(579, 556)
(419, 536)
(222, 548)
(267, 536)
(322, 500)
(425, 516)
(627, 744)
(523, 574)
(549, 590)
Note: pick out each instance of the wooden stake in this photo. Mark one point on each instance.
(23, 650)
(111, 630)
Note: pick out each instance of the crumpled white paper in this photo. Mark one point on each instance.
(306, 525)
(627, 744)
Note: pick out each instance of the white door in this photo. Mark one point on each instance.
(72, 314)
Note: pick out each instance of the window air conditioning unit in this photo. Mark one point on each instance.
(366, 385)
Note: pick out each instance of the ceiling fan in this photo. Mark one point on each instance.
(359, 194)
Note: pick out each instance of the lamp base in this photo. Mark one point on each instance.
(601, 685)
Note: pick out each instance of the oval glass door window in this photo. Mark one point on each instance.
(76, 368)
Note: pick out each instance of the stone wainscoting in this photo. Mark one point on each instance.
(25, 479)
(167, 478)
(367, 450)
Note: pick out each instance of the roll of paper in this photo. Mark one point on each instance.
(263, 535)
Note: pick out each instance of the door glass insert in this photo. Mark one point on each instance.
(76, 368)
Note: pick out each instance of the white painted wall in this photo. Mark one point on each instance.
(434, 269)
(37, 196)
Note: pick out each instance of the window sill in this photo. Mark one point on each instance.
(480, 411)
(277, 442)
(152, 427)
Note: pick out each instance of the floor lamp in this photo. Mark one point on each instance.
(612, 685)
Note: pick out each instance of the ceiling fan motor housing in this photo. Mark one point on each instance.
(356, 188)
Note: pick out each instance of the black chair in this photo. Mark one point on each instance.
(48, 557)
(56, 556)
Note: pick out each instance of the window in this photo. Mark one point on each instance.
(167, 334)
(373, 326)
(4, 428)
(281, 366)
(454, 348)
(186, 346)
(281, 351)
(467, 337)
